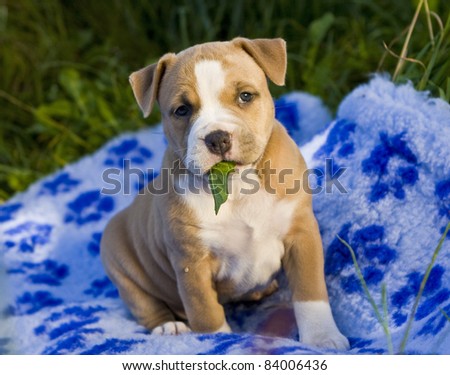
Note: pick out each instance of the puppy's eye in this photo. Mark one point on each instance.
(245, 97)
(182, 111)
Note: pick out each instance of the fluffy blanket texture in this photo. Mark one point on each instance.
(382, 183)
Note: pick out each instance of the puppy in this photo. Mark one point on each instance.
(172, 258)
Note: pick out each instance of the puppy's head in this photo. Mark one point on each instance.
(214, 99)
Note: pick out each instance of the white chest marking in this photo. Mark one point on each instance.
(246, 235)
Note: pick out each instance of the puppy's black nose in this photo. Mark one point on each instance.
(218, 142)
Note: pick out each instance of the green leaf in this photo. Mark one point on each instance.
(319, 28)
(218, 182)
(59, 108)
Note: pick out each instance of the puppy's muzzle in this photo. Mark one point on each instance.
(218, 142)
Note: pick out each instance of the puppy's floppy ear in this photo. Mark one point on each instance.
(145, 83)
(269, 54)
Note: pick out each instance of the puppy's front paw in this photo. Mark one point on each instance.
(225, 328)
(327, 340)
(317, 327)
(171, 328)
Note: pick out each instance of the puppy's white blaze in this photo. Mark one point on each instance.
(316, 325)
(210, 78)
(210, 81)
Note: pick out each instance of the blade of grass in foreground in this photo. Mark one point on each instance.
(421, 289)
(382, 320)
(445, 315)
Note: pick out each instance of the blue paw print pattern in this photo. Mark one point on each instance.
(29, 303)
(7, 211)
(287, 113)
(69, 328)
(435, 299)
(302, 115)
(73, 329)
(338, 146)
(94, 244)
(88, 207)
(363, 346)
(48, 272)
(442, 192)
(372, 254)
(113, 346)
(62, 183)
(128, 149)
(102, 287)
(377, 164)
(233, 343)
(339, 139)
(225, 343)
(27, 237)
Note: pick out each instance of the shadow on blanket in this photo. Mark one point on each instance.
(383, 172)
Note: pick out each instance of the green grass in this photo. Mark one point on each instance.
(64, 65)
(445, 315)
(383, 319)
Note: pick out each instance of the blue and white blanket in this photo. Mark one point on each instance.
(382, 172)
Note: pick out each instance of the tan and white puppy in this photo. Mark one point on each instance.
(173, 260)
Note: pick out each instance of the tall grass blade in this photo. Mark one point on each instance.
(382, 320)
(445, 314)
(436, 53)
(429, 23)
(410, 59)
(421, 289)
(404, 52)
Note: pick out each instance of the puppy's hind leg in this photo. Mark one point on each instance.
(148, 310)
(127, 274)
